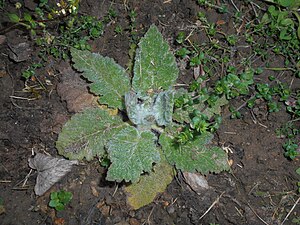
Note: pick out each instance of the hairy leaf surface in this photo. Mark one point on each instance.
(109, 79)
(145, 191)
(194, 156)
(131, 152)
(155, 66)
(85, 135)
(146, 110)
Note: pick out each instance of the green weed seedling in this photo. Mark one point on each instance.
(74, 30)
(291, 145)
(60, 199)
(143, 147)
(298, 183)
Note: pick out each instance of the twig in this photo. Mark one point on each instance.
(290, 211)
(22, 98)
(13, 92)
(257, 214)
(26, 178)
(24, 181)
(148, 219)
(234, 5)
(212, 205)
(115, 190)
(255, 12)
(5, 181)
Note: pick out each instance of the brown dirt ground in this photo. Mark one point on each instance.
(260, 186)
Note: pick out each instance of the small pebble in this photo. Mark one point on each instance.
(170, 209)
(134, 221)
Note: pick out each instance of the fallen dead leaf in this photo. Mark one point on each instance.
(74, 90)
(50, 170)
(3, 73)
(2, 209)
(105, 210)
(93, 186)
(220, 22)
(134, 221)
(196, 181)
(59, 221)
(2, 39)
(230, 162)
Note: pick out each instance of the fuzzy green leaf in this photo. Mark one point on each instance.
(195, 155)
(146, 110)
(145, 191)
(85, 135)
(131, 152)
(163, 107)
(109, 79)
(155, 66)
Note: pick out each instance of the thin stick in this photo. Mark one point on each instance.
(234, 5)
(22, 98)
(148, 219)
(257, 214)
(212, 205)
(290, 211)
(5, 181)
(26, 178)
(115, 190)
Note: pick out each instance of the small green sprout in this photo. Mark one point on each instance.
(119, 29)
(231, 39)
(180, 37)
(60, 199)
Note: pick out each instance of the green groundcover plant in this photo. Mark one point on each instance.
(141, 141)
(60, 199)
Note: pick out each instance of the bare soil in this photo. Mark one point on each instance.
(259, 189)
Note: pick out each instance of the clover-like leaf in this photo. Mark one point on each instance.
(196, 155)
(131, 153)
(216, 108)
(155, 66)
(85, 135)
(184, 115)
(144, 192)
(109, 79)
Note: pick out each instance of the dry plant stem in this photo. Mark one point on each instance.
(254, 10)
(255, 121)
(5, 181)
(26, 178)
(290, 211)
(241, 106)
(257, 214)
(13, 91)
(234, 5)
(115, 190)
(148, 219)
(212, 205)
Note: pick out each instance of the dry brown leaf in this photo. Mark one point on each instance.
(50, 170)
